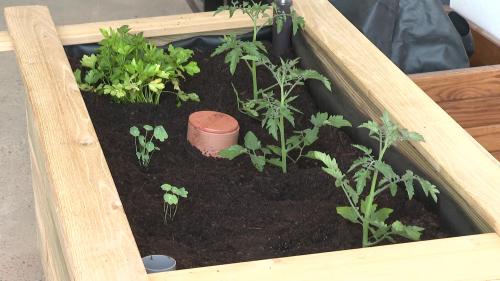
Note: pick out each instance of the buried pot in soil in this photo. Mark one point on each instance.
(159, 263)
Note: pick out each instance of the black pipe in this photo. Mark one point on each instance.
(282, 40)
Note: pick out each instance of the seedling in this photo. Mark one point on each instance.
(171, 200)
(372, 170)
(132, 70)
(275, 111)
(145, 144)
(251, 52)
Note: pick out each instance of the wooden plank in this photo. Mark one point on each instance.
(51, 256)
(474, 112)
(496, 154)
(487, 136)
(487, 47)
(84, 231)
(454, 259)
(454, 160)
(452, 85)
(471, 96)
(174, 27)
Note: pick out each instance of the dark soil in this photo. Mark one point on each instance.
(233, 213)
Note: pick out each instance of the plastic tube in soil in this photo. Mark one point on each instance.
(159, 263)
(282, 40)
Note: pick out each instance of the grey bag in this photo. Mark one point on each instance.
(416, 35)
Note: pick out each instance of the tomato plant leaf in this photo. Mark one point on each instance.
(251, 141)
(258, 161)
(348, 213)
(232, 152)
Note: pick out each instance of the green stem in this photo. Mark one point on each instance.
(379, 240)
(282, 134)
(283, 145)
(270, 88)
(254, 65)
(371, 197)
(369, 203)
(157, 98)
(254, 78)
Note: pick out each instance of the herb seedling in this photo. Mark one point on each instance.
(276, 111)
(144, 144)
(130, 69)
(251, 52)
(381, 177)
(171, 200)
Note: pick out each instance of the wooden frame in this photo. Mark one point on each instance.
(83, 230)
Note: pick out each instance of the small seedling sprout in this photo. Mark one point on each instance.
(171, 200)
(145, 144)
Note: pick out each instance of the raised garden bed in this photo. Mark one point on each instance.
(234, 213)
(84, 232)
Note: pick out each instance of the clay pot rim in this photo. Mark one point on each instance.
(211, 131)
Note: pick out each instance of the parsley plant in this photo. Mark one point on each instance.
(130, 69)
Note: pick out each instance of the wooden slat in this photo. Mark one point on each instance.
(471, 96)
(374, 84)
(496, 154)
(174, 27)
(83, 228)
(452, 85)
(454, 259)
(51, 256)
(474, 112)
(487, 136)
(487, 47)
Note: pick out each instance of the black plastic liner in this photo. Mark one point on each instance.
(204, 43)
(451, 214)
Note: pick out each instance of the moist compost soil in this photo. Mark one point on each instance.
(234, 213)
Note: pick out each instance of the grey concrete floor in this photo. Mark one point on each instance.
(19, 259)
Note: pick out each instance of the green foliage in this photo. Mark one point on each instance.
(130, 69)
(145, 144)
(275, 111)
(259, 11)
(252, 52)
(237, 50)
(252, 148)
(171, 200)
(381, 177)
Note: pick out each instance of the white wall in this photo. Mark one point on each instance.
(485, 13)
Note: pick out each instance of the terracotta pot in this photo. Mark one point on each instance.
(212, 131)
